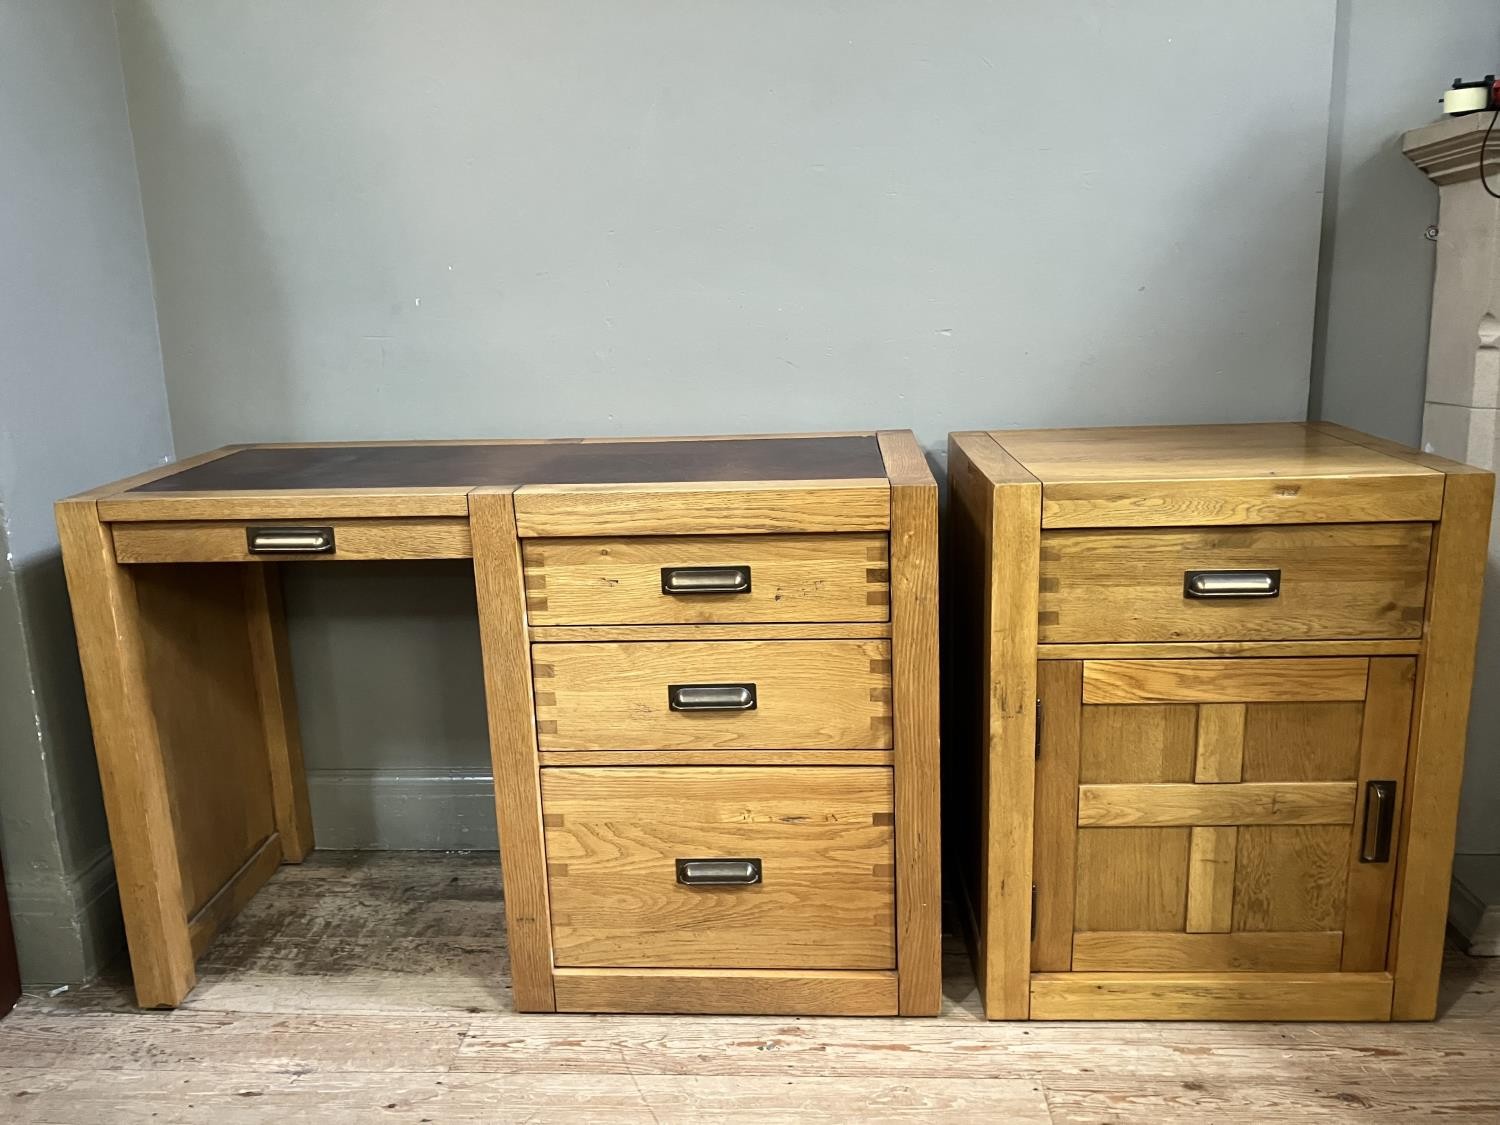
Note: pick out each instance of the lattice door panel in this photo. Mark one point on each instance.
(1218, 815)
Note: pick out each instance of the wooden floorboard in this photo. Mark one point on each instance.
(373, 987)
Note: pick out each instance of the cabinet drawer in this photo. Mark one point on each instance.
(626, 849)
(291, 540)
(673, 580)
(743, 695)
(1349, 581)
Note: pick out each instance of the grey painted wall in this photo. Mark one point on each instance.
(1392, 60)
(1391, 63)
(396, 220)
(82, 400)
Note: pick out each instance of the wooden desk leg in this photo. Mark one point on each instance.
(131, 766)
(271, 657)
(512, 721)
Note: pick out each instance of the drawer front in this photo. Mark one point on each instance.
(628, 853)
(675, 580)
(698, 695)
(291, 540)
(1339, 581)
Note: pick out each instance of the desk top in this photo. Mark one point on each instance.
(788, 482)
(498, 463)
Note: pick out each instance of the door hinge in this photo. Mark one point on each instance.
(1038, 748)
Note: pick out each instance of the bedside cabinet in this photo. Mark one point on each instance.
(1208, 699)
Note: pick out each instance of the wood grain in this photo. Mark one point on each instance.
(1126, 951)
(1221, 743)
(727, 992)
(1268, 473)
(729, 508)
(271, 659)
(1137, 742)
(915, 685)
(1291, 877)
(132, 771)
(1304, 741)
(1185, 650)
(793, 578)
(1211, 878)
(1267, 802)
(1285, 500)
(203, 691)
(1131, 879)
(1435, 774)
(789, 631)
(1054, 858)
(1010, 508)
(824, 836)
(1202, 996)
(513, 747)
(811, 695)
(717, 758)
(235, 893)
(224, 541)
(1382, 756)
(1337, 581)
(1224, 681)
(320, 505)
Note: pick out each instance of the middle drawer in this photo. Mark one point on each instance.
(704, 695)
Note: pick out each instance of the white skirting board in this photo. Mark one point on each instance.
(398, 810)
(1474, 907)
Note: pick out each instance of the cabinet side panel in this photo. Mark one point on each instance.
(1444, 679)
(1008, 581)
(914, 645)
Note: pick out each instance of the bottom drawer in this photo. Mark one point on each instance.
(804, 878)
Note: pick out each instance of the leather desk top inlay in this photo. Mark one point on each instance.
(491, 464)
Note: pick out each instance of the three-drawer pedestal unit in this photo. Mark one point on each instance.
(710, 669)
(1208, 696)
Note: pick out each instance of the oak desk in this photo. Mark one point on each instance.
(710, 669)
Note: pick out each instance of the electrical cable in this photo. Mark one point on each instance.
(1484, 179)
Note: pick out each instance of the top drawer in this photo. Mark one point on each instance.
(1330, 581)
(685, 579)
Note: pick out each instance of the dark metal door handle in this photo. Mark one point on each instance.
(289, 540)
(705, 580)
(1380, 817)
(718, 872)
(711, 697)
(1231, 583)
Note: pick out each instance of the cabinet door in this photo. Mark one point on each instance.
(1218, 815)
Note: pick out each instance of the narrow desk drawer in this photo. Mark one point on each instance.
(702, 695)
(710, 867)
(1333, 581)
(291, 540)
(692, 579)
